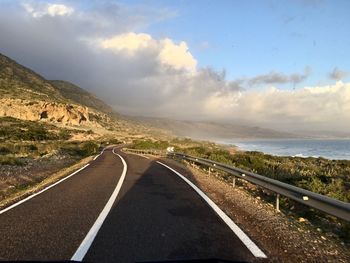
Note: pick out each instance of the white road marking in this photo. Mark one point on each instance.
(254, 249)
(99, 154)
(85, 245)
(45, 189)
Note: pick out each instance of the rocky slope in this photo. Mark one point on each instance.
(78, 95)
(38, 110)
(26, 95)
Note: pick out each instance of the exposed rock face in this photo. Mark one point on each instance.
(46, 111)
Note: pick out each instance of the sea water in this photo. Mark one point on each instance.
(330, 149)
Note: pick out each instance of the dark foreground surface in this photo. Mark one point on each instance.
(156, 217)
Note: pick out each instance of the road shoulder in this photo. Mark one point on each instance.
(34, 188)
(283, 238)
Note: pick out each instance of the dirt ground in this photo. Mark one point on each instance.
(280, 236)
(16, 177)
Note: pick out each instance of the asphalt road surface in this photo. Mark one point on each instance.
(156, 216)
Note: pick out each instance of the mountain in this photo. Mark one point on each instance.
(213, 130)
(78, 95)
(26, 95)
(324, 134)
(17, 81)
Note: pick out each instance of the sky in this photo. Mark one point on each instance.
(270, 63)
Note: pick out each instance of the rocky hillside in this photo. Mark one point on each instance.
(28, 96)
(78, 95)
(17, 81)
(46, 111)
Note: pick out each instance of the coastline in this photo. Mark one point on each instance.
(331, 149)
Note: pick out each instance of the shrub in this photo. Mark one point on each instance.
(13, 129)
(64, 134)
(9, 160)
(114, 141)
(4, 150)
(89, 148)
(32, 148)
(327, 177)
(148, 144)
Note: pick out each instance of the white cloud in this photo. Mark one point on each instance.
(167, 52)
(42, 9)
(318, 106)
(129, 42)
(177, 56)
(139, 74)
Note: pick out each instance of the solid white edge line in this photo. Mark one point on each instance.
(43, 190)
(86, 243)
(47, 188)
(254, 249)
(99, 154)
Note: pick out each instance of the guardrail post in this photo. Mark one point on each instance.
(234, 182)
(278, 202)
(326, 204)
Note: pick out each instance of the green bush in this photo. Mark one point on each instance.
(20, 130)
(148, 144)
(4, 150)
(32, 148)
(114, 141)
(9, 160)
(319, 175)
(89, 148)
(64, 134)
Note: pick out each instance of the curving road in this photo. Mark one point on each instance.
(122, 208)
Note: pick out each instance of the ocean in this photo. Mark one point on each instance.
(331, 149)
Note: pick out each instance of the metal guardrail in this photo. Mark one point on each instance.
(150, 152)
(324, 203)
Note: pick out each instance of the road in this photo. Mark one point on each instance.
(156, 216)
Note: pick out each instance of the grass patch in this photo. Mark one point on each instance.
(20, 130)
(149, 144)
(80, 149)
(319, 175)
(10, 160)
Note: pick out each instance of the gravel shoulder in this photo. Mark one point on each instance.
(283, 238)
(20, 181)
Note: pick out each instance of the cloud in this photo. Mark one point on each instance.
(324, 107)
(280, 78)
(177, 56)
(167, 52)
(338, 74)
(38, 10)
(105, 49)
(129, 42)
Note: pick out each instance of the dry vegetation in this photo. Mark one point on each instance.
(280, 235)
(327, 177)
